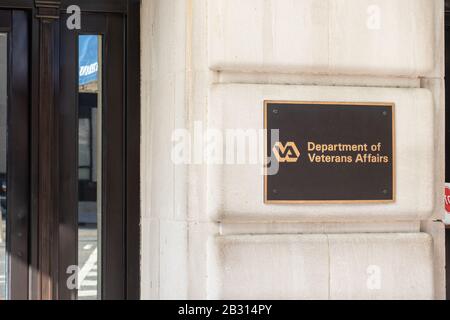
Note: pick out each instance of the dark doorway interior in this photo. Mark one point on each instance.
(447, 254)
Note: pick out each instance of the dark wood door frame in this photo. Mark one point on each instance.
(113, 271)
(44, 228)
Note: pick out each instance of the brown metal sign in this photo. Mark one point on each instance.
(322, 152)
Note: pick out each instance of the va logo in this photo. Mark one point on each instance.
(286, 153)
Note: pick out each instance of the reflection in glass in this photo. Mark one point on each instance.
(3, 166)
(89, 166)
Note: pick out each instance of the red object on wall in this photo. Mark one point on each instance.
(447, 202)
(447, 199)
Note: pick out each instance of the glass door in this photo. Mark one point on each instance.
(89, 164)
(14, 155)
(69, 149)
(92, 163)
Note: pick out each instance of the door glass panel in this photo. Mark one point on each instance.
(3, 166)
(89, 166)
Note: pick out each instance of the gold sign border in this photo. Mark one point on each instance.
(340, 103)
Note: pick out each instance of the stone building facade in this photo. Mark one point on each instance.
(206, 231)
